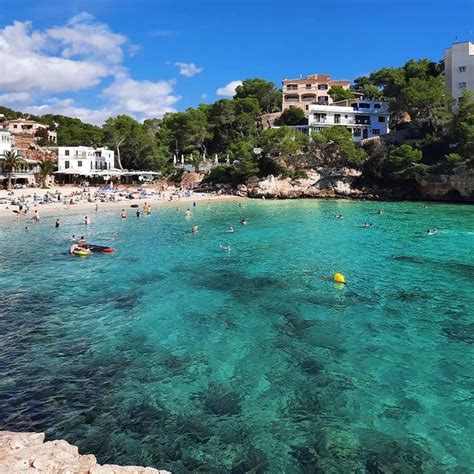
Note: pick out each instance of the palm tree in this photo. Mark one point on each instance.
(46, 168)
(11, 161)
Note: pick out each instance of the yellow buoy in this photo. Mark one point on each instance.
(339, 278)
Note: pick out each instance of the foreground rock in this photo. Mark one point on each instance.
(320, 182)
(28, 453)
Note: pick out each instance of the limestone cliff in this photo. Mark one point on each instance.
(28, 453)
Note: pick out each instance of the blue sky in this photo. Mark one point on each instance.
(98, 58)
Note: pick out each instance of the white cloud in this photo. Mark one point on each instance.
(82, 37)
(37, 64)
(204, 96)
(69, 108)
(188, 69)
(143, 99)
(229, 89)
(14, 97)
(28, 66)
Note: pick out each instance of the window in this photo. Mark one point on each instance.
(307, 107)
(381, 119)
(79, 163)
(323, 99)
(66, 152)
(357, 132)
(376, 106)
(308, 86)
(462, 85)
(376, 131)
(66, 164)
(15, 126)
(322, 87)
(337, 118)
(319, 117)
(346, 116)
(292, 87)
(363, 105)
(462, 69)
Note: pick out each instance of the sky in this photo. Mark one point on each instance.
(93, 59)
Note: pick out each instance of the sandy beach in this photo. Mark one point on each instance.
(83, 205)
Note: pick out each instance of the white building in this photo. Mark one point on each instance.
(459, 69)
(363, 118)
(85, 160)
(5, 141)
(23, 126)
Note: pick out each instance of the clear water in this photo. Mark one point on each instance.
(178, 354)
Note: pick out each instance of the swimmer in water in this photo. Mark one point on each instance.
(432, 231)
(87, 220)
(188, 213)
(367, 225)
(379, 212)
(123, 214)
(225, 247)
(138, 213)
(239, 205)
(243, 222)
(230, 230)
(56, 225)
(339, 216)
(195, 229)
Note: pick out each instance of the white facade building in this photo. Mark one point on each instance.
(5, 142)
(459, 69)
(363, 118)
(84, 160)
(22, 126)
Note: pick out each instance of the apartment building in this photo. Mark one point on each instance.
(459, 69)
(84, 159)
(363, 118)
(309, 90)
(5, 141)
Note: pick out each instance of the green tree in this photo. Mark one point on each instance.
(339, 93)
(461, 129)
(46, 168)
(282, 141)
(404, 161)
(267, 95)
(11, 161)
(291, 116)
(336, 147)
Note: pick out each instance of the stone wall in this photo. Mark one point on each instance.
(28, 453)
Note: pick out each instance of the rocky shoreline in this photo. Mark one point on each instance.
(347, 183)
(29, 453)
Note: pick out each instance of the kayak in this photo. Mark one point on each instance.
(100, 249)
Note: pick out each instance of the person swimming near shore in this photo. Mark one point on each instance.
(243, 222)
(239, 204)
(367, 225)
(338, 216)
(188, 213)
(195, 229)
(432, 231)
(87, 221)
(379, 212)
(230, 230)
(225, 247)
(56, 224)
(138, 213)
(123, 214)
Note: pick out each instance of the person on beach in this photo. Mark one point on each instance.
(96, 207)
(123, 214)
(195, 229)
(36, 217)
(56, 224)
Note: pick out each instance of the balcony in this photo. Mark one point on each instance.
(292, 99)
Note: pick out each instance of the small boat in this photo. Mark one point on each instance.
(100, 249)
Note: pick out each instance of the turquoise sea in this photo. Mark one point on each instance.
(178, 354)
